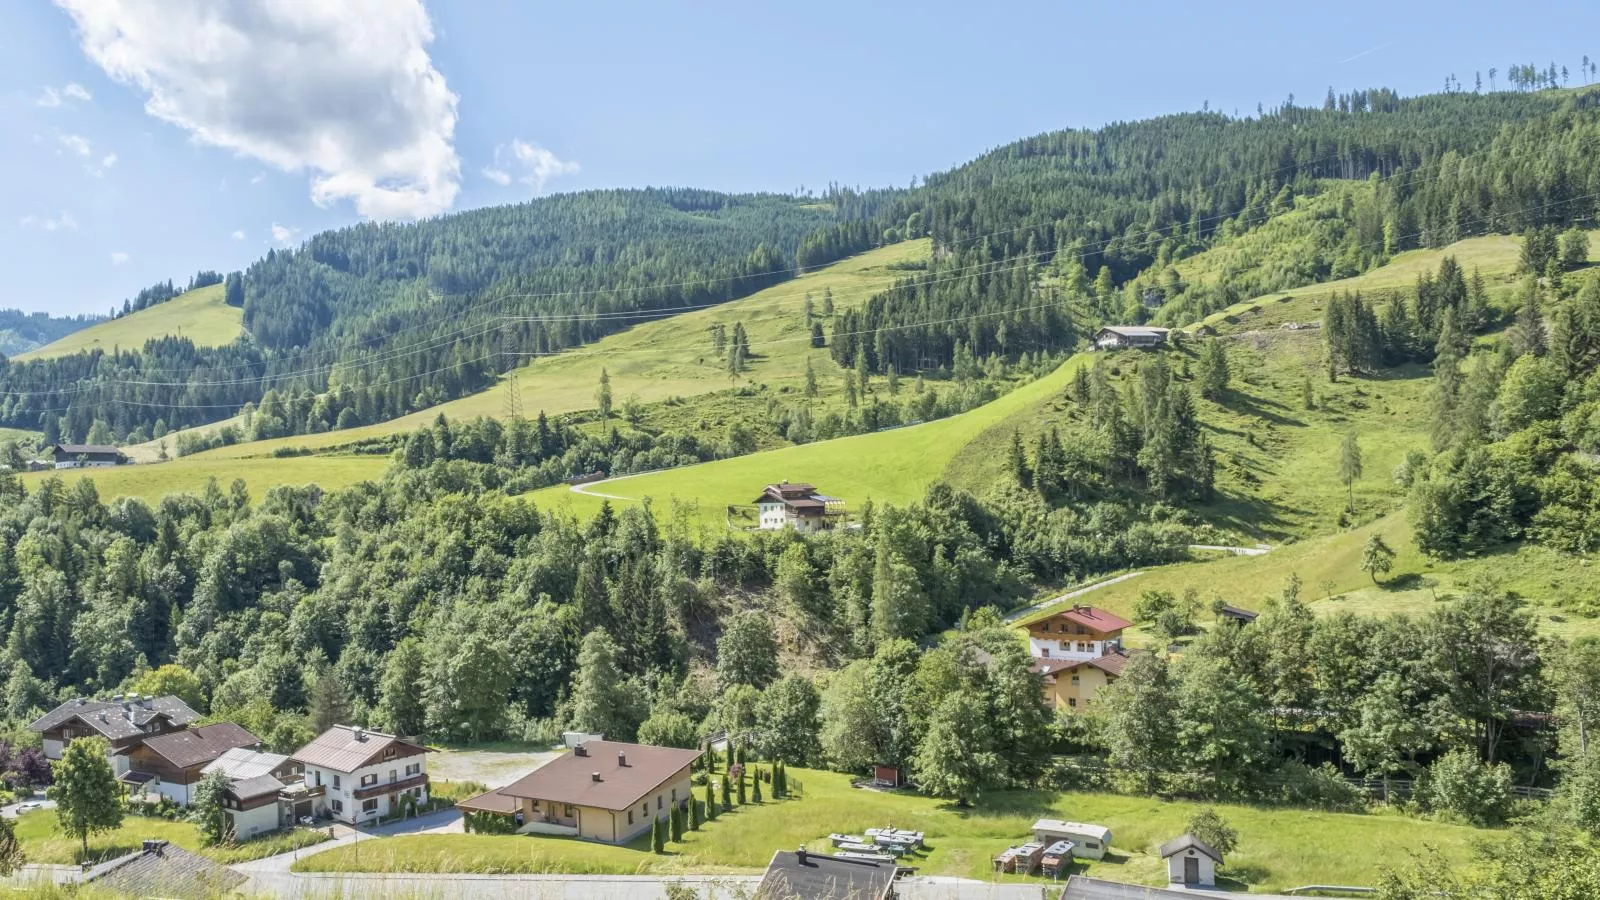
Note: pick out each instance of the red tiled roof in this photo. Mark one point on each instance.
(197, 746)
(1112, 664)
(1096, 618)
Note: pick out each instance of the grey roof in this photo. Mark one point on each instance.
(164, 870)
(1081, 888)
(822, 877)
(242, 762)
(345, 748)
(1136, 330)
(260, 785)
(1188, 842)
(86, 449)
(117, 719)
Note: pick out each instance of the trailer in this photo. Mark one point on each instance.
(1057, 859)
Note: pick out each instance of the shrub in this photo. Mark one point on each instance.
(1458, 784)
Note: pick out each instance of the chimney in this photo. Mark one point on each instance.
(622, 759)
(800, 855)
(580, 750)
(595, 776)
(360, 735)
(151, 846)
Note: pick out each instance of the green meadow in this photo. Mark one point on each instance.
(199, 315)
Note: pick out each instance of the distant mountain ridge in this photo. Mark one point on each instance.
(23, 331)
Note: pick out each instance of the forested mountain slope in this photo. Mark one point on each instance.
(21, 332)
(401, 317)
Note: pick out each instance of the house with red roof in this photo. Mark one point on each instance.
(1078, 650)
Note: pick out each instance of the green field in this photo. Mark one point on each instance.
(198, 315)
(1278, 848)
(661, 358)
(44, 843)
(894, 466)
(1329, 568)
(18, 434)
(152, 481)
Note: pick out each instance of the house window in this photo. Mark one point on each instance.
(369, 806)
(1044, 652)
(659, 803)
(1072, 702)
(1062, 628)
(388, 754)
(1091, 845)
(413, 769)
(630, 817)
(392, 778)
(368, 780)
(336, 782)
(569, 810)
(1074, 679)
(674, 795)
(336, 805)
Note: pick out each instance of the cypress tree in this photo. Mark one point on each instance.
(658, 836)
(677, 825)
(742, 798)
(711, 804)
(694, 814)
(755, 790)
(727, 801)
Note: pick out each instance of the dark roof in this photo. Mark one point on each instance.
(1240, 613)
(1081, 888)
(164, 870)
(85, 449)
(824, 878)
(259, 786)
(345, 748)
(1112, 663)
(1188, 842)
(198, 746)
(569, 778)
(117, 719)
(1135, 330)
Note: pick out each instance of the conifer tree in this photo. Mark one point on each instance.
(1214, 373)
(755, 787)
(741, 791)
(727, 800)
(711, 803)
(811, 379)
(1018, 459)
(602, 397)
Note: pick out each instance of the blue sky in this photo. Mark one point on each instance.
(151, 138)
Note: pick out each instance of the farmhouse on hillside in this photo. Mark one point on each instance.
(1129, 337)
(603, 790)
(1078, 651)
(1191, 862)
(126, 721)
(813, 876)
(363, 775)
(86, 456)
(797, 506)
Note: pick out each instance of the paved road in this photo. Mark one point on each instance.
(445, 821)
(10, 809)
(1069, 595)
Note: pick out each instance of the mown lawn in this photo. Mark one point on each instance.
(43, 841)
(1279, 848)
(201, 316)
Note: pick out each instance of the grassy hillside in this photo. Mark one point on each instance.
(893, 466)
(669, 357)
(154, 481)
(1275, 460)
(199, 315)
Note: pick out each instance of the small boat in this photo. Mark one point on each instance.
(857, 846)
(895, 836)
(838, 839)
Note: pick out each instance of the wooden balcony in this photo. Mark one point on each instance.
(390, 787)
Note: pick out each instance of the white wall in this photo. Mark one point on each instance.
(1208, 868)
(350, 782)
(247, 823)
(52, 749)
(1065, 648)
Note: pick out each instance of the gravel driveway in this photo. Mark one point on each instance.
(491, 767)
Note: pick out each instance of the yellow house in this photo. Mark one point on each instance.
(603, 790)
(1073, 683)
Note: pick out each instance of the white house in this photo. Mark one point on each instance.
(797, 506)
(264, 791)
(363, 775)
(1191, 862)
(1088, 841)
(86, 456)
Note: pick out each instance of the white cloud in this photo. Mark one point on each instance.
(62, 222)
(343, 90)
(283, 234)
(75, 143)
(258, 177)
(527, 163)
(238, 235)
(50, 97)
(107, 161)
(118, 257)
